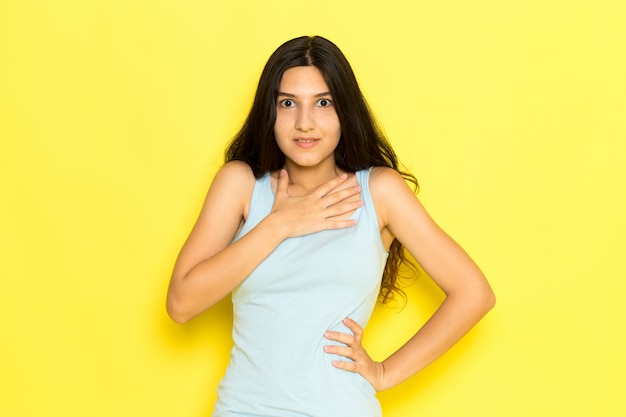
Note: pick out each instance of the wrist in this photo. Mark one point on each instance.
(384, 376)
(381, 377)
(277, 230)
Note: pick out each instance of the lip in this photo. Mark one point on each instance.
(306, 143)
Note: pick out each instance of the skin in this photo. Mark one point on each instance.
(307, 128)
(312, 194)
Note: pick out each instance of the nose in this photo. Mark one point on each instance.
(305, 119)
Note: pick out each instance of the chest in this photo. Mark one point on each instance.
(326, 264)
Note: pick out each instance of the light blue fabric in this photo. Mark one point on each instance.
(308, 285)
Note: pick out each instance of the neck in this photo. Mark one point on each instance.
(305, 179)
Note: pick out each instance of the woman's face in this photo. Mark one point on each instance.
(307, 127)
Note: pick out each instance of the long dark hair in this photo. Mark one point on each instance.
(362, 143)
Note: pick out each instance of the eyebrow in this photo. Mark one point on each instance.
(326, 93)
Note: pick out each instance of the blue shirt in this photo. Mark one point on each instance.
(306, 286)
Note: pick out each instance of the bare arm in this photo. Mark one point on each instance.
(468, 294)
(209, 267)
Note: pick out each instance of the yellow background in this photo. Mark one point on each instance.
(113, 118)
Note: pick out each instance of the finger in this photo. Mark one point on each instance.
(345, 351)
(338, 224)
(335, 197)
(354, 326)
(283, 181)
(346, 339)
(346, 366)
(339, 209)
(326, 188)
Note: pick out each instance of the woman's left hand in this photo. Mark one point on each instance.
(361, 363)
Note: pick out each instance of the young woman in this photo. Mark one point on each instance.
(306, 225)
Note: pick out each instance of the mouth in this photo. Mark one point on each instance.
(305, 143)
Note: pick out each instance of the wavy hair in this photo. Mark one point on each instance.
(362, 143)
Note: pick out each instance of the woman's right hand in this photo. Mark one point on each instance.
(326, 207)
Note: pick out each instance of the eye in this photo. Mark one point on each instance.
(286, 103)
(324, 102)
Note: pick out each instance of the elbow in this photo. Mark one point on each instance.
(487, 299)
(177, 311)
(479, 300)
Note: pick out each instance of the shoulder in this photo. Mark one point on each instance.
(389, 191)
(385, 181)
(232, 187)
(236, 175)
(236, 170)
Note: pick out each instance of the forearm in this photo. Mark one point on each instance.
(454, 318)
(215, 277)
